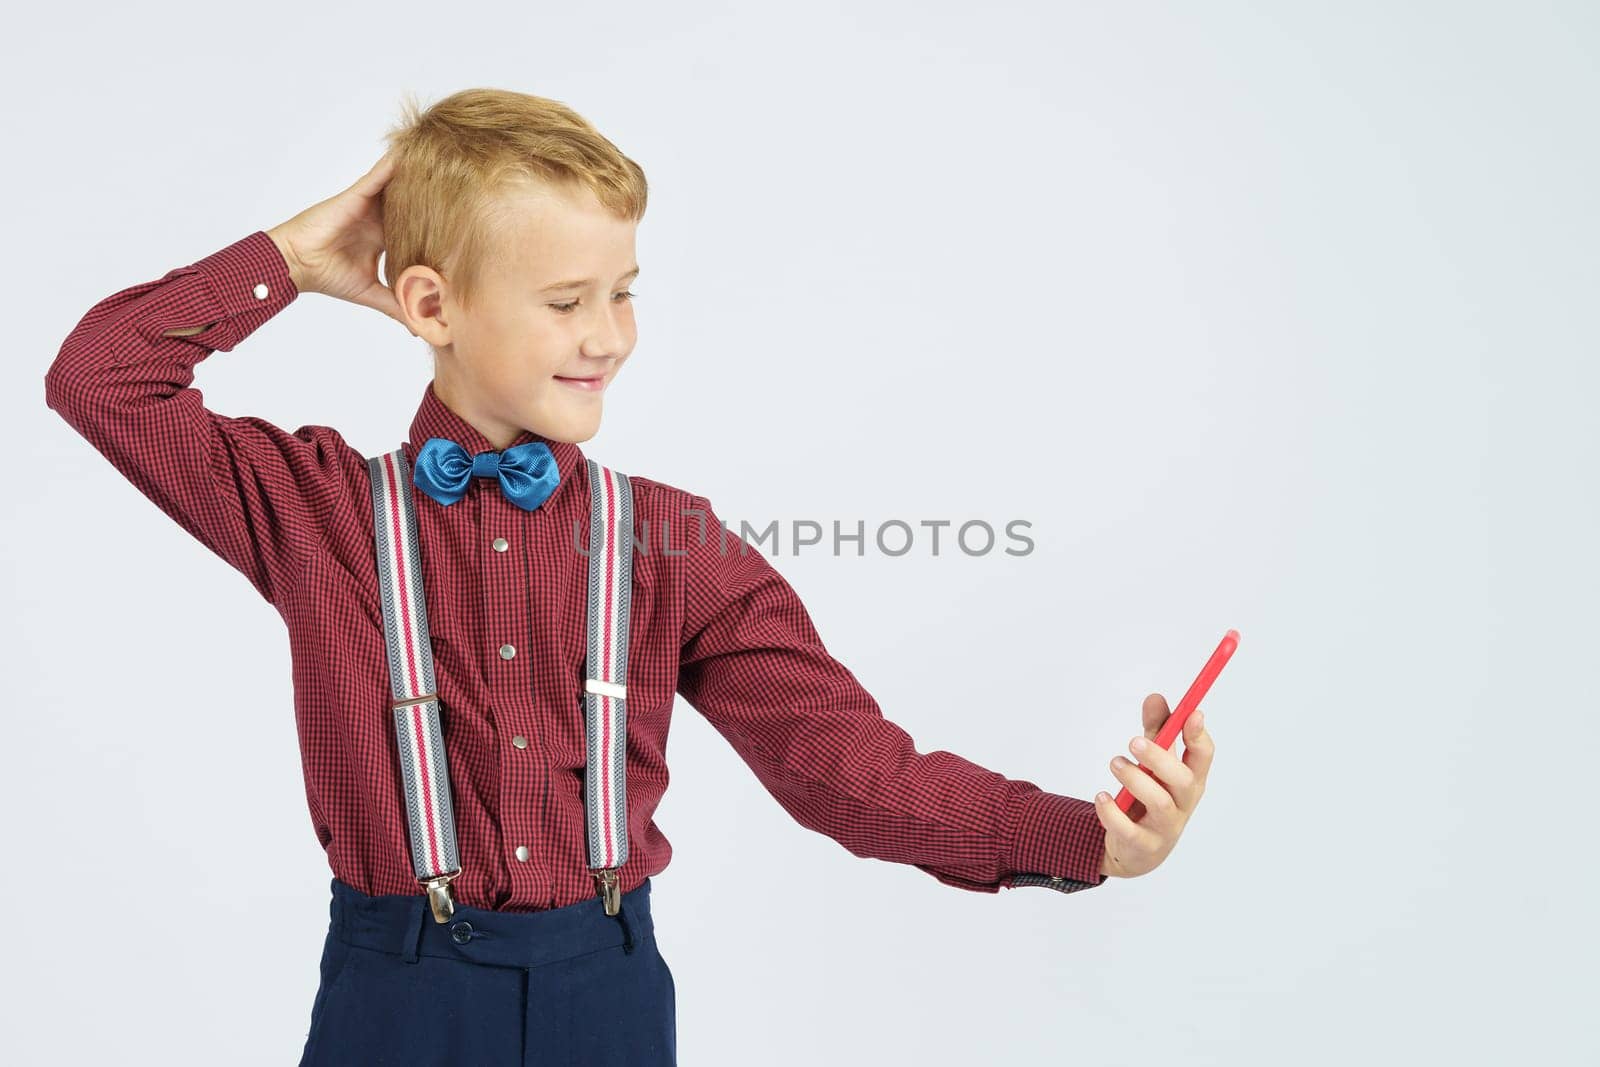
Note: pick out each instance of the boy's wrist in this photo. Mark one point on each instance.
(297, 273)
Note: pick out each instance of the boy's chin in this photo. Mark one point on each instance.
(572, 427)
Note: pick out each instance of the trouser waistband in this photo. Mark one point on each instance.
(403, 925)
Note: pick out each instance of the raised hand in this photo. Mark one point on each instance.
(1137, 841)
(332, 247)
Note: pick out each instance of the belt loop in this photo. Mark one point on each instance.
(627, 931)
(410, 950)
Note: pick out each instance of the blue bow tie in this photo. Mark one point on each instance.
(528, 472)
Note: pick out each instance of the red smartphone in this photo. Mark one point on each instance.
(1174, 725)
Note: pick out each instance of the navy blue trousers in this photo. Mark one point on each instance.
(565, 987)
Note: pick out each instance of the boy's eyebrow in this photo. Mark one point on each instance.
(581, 282)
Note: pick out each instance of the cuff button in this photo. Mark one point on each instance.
(260, 290)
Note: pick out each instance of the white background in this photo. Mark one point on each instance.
(1276, 317)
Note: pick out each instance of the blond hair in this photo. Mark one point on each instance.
(454, 160)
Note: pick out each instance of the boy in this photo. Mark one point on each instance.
(507, 226)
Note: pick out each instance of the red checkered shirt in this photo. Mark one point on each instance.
(716, 623)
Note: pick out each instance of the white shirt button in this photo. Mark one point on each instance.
(520, 741)
(260, 290)
(507, 651)
(501, 544)
(523, 853)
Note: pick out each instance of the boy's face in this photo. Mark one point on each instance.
(505, 363)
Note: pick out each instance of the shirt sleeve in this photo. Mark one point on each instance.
(254, 494)
(753, 664)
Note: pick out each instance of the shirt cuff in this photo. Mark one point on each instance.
(245, 284)
(1058, 842)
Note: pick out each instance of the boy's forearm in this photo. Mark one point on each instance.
(123, 379)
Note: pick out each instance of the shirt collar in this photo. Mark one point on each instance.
(434, 419)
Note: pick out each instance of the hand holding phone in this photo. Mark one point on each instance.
(1174, 725)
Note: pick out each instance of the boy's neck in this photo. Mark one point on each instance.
(500, 436)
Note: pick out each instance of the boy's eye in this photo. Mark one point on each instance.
(569, 305)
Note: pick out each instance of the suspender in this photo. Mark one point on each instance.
(603, 703)
(605, 687)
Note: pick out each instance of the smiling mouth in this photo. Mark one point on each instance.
(593, 384)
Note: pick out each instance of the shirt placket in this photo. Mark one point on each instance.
(503, 531)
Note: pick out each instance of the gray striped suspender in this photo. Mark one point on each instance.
(605, 695)
(424, 772)
(423, 767)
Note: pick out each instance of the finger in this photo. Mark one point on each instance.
(1198, 748)
(373, 180)
(1154, 713)
(1121, 828)
(381, 298)
(1159, 803)
(1171, 770)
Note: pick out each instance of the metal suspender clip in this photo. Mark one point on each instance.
(439, 898)
(608, 888)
